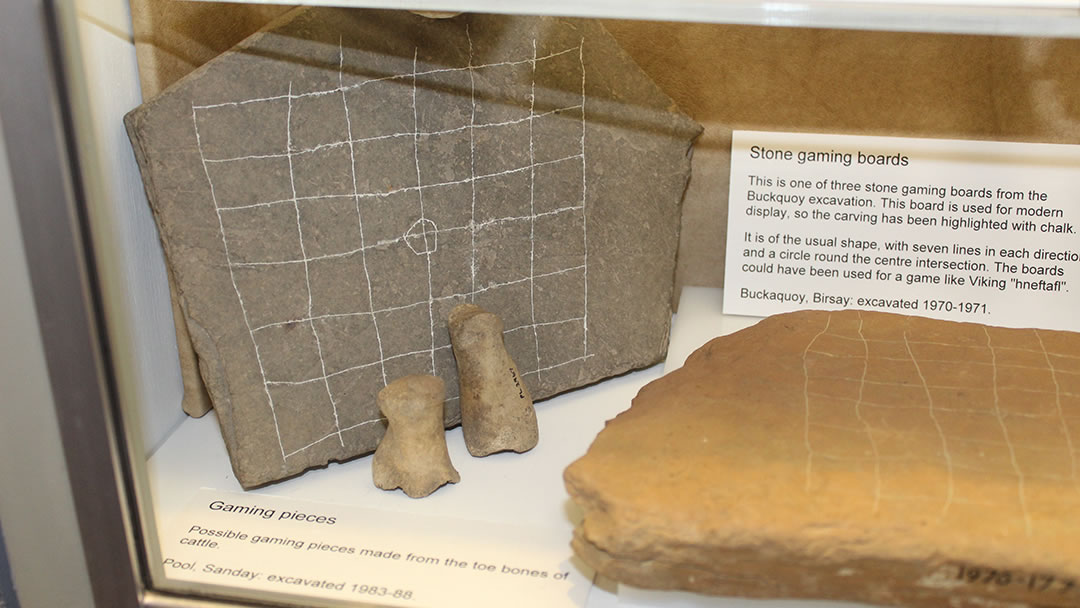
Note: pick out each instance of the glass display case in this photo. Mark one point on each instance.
(112, 492)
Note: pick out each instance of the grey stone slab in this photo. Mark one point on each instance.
(330, 189)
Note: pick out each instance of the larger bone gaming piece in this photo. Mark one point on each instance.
(412, 454)
(496, 410)
(848, 455)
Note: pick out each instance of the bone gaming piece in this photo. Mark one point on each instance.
(412, 455)
(496, 410)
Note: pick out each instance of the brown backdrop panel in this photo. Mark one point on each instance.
(749, 77)
(841, 81)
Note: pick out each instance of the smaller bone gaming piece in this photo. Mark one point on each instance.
(412, 455)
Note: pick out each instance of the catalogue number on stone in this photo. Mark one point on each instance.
(1032, 581)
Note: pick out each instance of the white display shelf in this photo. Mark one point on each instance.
(1054, 18)
(501, 490)
(517, 489)
(511, 489)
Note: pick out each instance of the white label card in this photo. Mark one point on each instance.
(958, 230)
(340, 552)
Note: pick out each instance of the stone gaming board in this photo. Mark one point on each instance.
(848, 455)
(330, 189)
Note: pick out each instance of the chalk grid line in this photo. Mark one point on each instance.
(422, 231)
(359, 213)
(307, 272)
(1007, 446)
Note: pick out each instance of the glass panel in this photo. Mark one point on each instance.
(328, 535)
(1012, 17)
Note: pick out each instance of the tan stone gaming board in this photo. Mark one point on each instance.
(849, 455)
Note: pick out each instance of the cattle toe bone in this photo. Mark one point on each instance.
(412, 454)
(496, 410)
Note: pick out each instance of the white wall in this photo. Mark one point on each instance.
(127, 241)
(36, 506)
